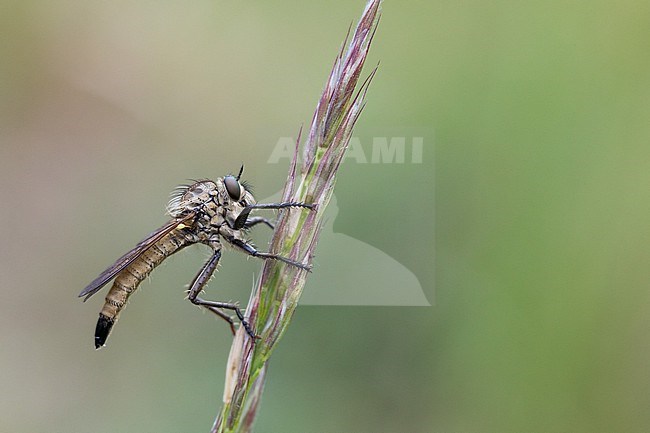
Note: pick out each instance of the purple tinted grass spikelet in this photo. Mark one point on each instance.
(311, 180)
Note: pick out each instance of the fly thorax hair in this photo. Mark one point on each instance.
(192, 198)
(215, 203)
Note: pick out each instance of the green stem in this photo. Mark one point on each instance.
(276, 295)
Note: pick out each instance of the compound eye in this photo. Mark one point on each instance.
(233, 187)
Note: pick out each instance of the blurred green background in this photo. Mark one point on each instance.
(527, 224)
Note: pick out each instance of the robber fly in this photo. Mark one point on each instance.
(204, 212)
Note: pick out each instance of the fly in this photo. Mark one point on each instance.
(204, 212)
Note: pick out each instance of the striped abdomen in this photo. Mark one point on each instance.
(128, 280)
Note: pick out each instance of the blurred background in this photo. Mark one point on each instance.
(526, 223)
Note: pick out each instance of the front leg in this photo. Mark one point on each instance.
(250, 250)
(196, 287)
(281, 205)
(253, 221)
(243, 216)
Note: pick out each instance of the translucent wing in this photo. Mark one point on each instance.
(132, 255)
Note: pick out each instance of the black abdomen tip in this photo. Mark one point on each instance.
(103, 328)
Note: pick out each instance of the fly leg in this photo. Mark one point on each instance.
(250, 222)
(250, 250)
(240, 222)
(197, 285)
(280, 205)
(223, 315)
